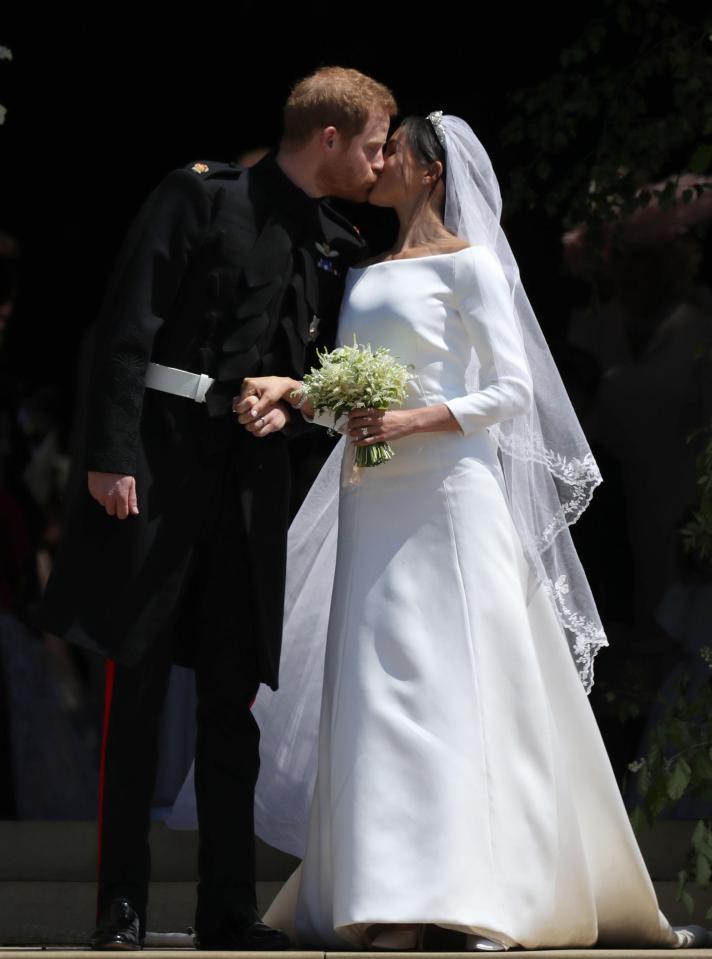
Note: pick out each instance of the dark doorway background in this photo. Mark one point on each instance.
(104, 103)
(101, 106)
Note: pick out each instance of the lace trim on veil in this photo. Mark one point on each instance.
(580, 477)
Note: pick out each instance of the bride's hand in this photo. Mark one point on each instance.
(381, 425)
(272, 420)
(268, 390)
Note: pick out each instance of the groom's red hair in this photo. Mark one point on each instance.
(333, 96)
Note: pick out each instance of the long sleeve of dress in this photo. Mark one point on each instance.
(485, 305)
(328, 420)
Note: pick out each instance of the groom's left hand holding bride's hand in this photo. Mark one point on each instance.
(260, 407)
(260, 423)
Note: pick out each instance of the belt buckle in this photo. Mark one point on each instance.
(202, 386)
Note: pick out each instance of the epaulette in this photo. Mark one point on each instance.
(206, 169)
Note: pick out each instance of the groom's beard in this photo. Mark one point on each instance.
(338, 179)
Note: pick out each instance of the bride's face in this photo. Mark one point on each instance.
(402, 177)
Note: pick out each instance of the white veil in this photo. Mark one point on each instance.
(547, 463)
(550, 474)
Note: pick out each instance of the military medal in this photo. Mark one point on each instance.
(327, 255)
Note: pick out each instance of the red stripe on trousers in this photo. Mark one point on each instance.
(109, 687)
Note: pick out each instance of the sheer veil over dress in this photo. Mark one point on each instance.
(431, 754)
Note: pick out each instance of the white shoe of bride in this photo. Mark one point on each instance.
(475, 943)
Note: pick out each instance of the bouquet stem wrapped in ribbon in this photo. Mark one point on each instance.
(356, 377)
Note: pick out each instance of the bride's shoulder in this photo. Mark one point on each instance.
(466, 263)
(471, 254)
(481, 265)
(456, 245)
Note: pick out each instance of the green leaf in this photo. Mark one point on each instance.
(699, 833)
(688, 901)
(701, 770)
(678, 782)
(701, 159)
(678, 730)
(657, 799)
(637, 819)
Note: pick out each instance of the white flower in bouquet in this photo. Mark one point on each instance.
(356, 377)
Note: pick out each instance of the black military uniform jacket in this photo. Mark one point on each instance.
(228, 271)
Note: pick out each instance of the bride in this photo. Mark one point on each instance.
(431, 755)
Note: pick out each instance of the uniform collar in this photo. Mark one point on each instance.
(284, 195)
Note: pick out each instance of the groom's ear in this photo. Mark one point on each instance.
(328, 137)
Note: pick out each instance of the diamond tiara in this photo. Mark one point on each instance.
(435, 118)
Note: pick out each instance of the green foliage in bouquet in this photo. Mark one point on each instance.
(357, 377)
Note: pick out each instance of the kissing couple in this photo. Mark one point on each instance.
(393, 687)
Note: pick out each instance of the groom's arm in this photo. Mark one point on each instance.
(146, 278)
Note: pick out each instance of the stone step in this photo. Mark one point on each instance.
(48, 872)
(170, 953)
(62, 913)
(54, 914)
(56, 851)
(34, 849)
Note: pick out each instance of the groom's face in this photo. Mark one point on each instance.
(352, 167)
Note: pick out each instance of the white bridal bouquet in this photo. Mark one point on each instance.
(354, 377)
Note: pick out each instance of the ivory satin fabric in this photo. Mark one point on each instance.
(431, 753)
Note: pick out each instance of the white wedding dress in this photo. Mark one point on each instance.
(431, 754)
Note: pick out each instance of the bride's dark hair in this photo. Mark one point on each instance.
(420, 136)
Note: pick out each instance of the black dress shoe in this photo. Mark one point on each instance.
(119, 927)
(242, 929)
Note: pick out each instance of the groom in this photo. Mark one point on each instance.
(174, 543)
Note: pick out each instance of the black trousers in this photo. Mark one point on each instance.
(216, 596)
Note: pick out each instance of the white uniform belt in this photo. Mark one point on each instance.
(194, 386)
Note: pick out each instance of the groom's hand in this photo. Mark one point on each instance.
(271, 420)
(116, 492)
(268, 390)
